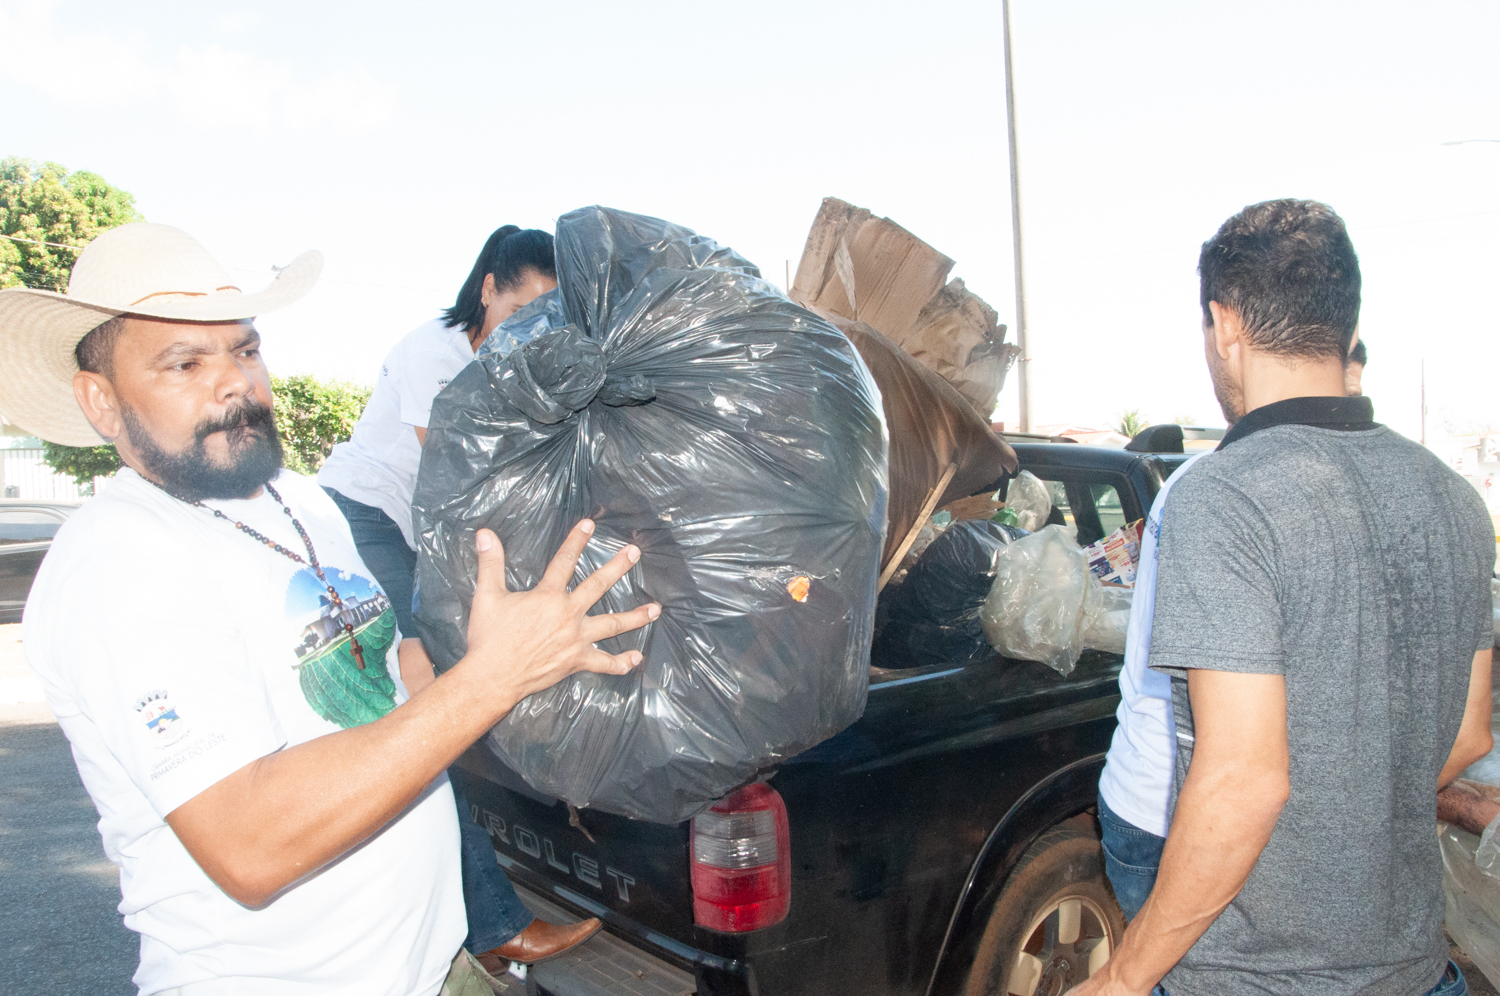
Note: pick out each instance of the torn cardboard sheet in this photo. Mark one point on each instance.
(869, 269)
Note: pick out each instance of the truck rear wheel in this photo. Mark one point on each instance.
(1056, 920)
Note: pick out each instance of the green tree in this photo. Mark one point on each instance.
(1186, 420)
(45, 203)
(1131, 422)
(312, 415)
(82, 463)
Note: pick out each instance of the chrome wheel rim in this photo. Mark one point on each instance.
(1066, 944)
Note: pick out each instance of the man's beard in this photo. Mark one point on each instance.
(1231, 399)
(254, 453)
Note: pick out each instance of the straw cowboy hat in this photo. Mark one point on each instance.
(140, 269)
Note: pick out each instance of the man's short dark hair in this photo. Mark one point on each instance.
(1359, 354)
(1288, 270)
(95, 352)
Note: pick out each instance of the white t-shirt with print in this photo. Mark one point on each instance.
(174, 650)
(1137, 777)
(378, 465)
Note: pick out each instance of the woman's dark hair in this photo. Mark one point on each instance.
(508, 253)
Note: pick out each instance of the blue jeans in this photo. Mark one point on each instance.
(1131, 858)
(496, 913)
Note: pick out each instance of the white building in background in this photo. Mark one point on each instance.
(24, 474)
(1476, 456)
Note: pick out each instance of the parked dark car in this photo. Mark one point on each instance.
(946, 843)
(26, 531)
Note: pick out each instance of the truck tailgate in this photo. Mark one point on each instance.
(631, 874)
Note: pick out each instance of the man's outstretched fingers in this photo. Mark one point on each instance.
(596, 628)
(593, 587)
(491, 560)
(601, 663)
(560, 571)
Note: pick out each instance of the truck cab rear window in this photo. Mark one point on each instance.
(1090, 510)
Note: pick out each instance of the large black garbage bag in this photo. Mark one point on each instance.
(687, 407)
(933, 616)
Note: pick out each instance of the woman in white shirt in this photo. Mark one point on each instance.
(371, 478)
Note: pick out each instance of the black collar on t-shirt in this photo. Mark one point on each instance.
(1354, 414)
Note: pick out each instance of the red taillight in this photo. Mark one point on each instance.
(742, 861)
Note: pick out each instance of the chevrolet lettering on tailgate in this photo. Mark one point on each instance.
(524, 843)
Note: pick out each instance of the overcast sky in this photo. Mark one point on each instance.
(395, 137)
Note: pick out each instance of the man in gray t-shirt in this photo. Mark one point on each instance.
(1323, 608)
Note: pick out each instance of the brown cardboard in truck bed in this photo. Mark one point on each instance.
(957, 335)
(931, 427)
(867, 269)
(863, 268)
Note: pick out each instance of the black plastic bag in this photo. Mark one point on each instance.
(687, 407)
(933, 616)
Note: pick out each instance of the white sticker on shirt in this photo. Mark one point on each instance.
(163, 725)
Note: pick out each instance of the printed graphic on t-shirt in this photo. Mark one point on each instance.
(331, 679)
(160, 716)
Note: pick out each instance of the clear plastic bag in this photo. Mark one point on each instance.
(1110, 621)
(1030, 499)
(683, 403)
(1046, 605)
(1472, 894)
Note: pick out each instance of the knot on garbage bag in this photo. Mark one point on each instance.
(560, 373)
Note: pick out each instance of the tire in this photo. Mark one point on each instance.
(1055, 922)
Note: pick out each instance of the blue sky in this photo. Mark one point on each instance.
(395, 137)
(305, 591)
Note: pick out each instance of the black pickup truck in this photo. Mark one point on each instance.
(945, 843)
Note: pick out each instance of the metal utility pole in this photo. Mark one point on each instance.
(1023, 362)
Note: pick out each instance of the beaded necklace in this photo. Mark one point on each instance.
(312, 556)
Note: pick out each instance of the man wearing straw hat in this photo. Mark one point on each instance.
(223, 664)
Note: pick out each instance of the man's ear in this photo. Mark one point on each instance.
(1353, 341)
(101, 406)
(1227, 332)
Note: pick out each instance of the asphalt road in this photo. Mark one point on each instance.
(61, 932)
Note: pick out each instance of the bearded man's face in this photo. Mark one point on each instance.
(188, 405)
(251, 455)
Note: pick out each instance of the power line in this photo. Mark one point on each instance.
(34, 242)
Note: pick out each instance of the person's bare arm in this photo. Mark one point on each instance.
(421, 435)
(1235, 790)
(1474, 737)
(286, 815)
(416, 666)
